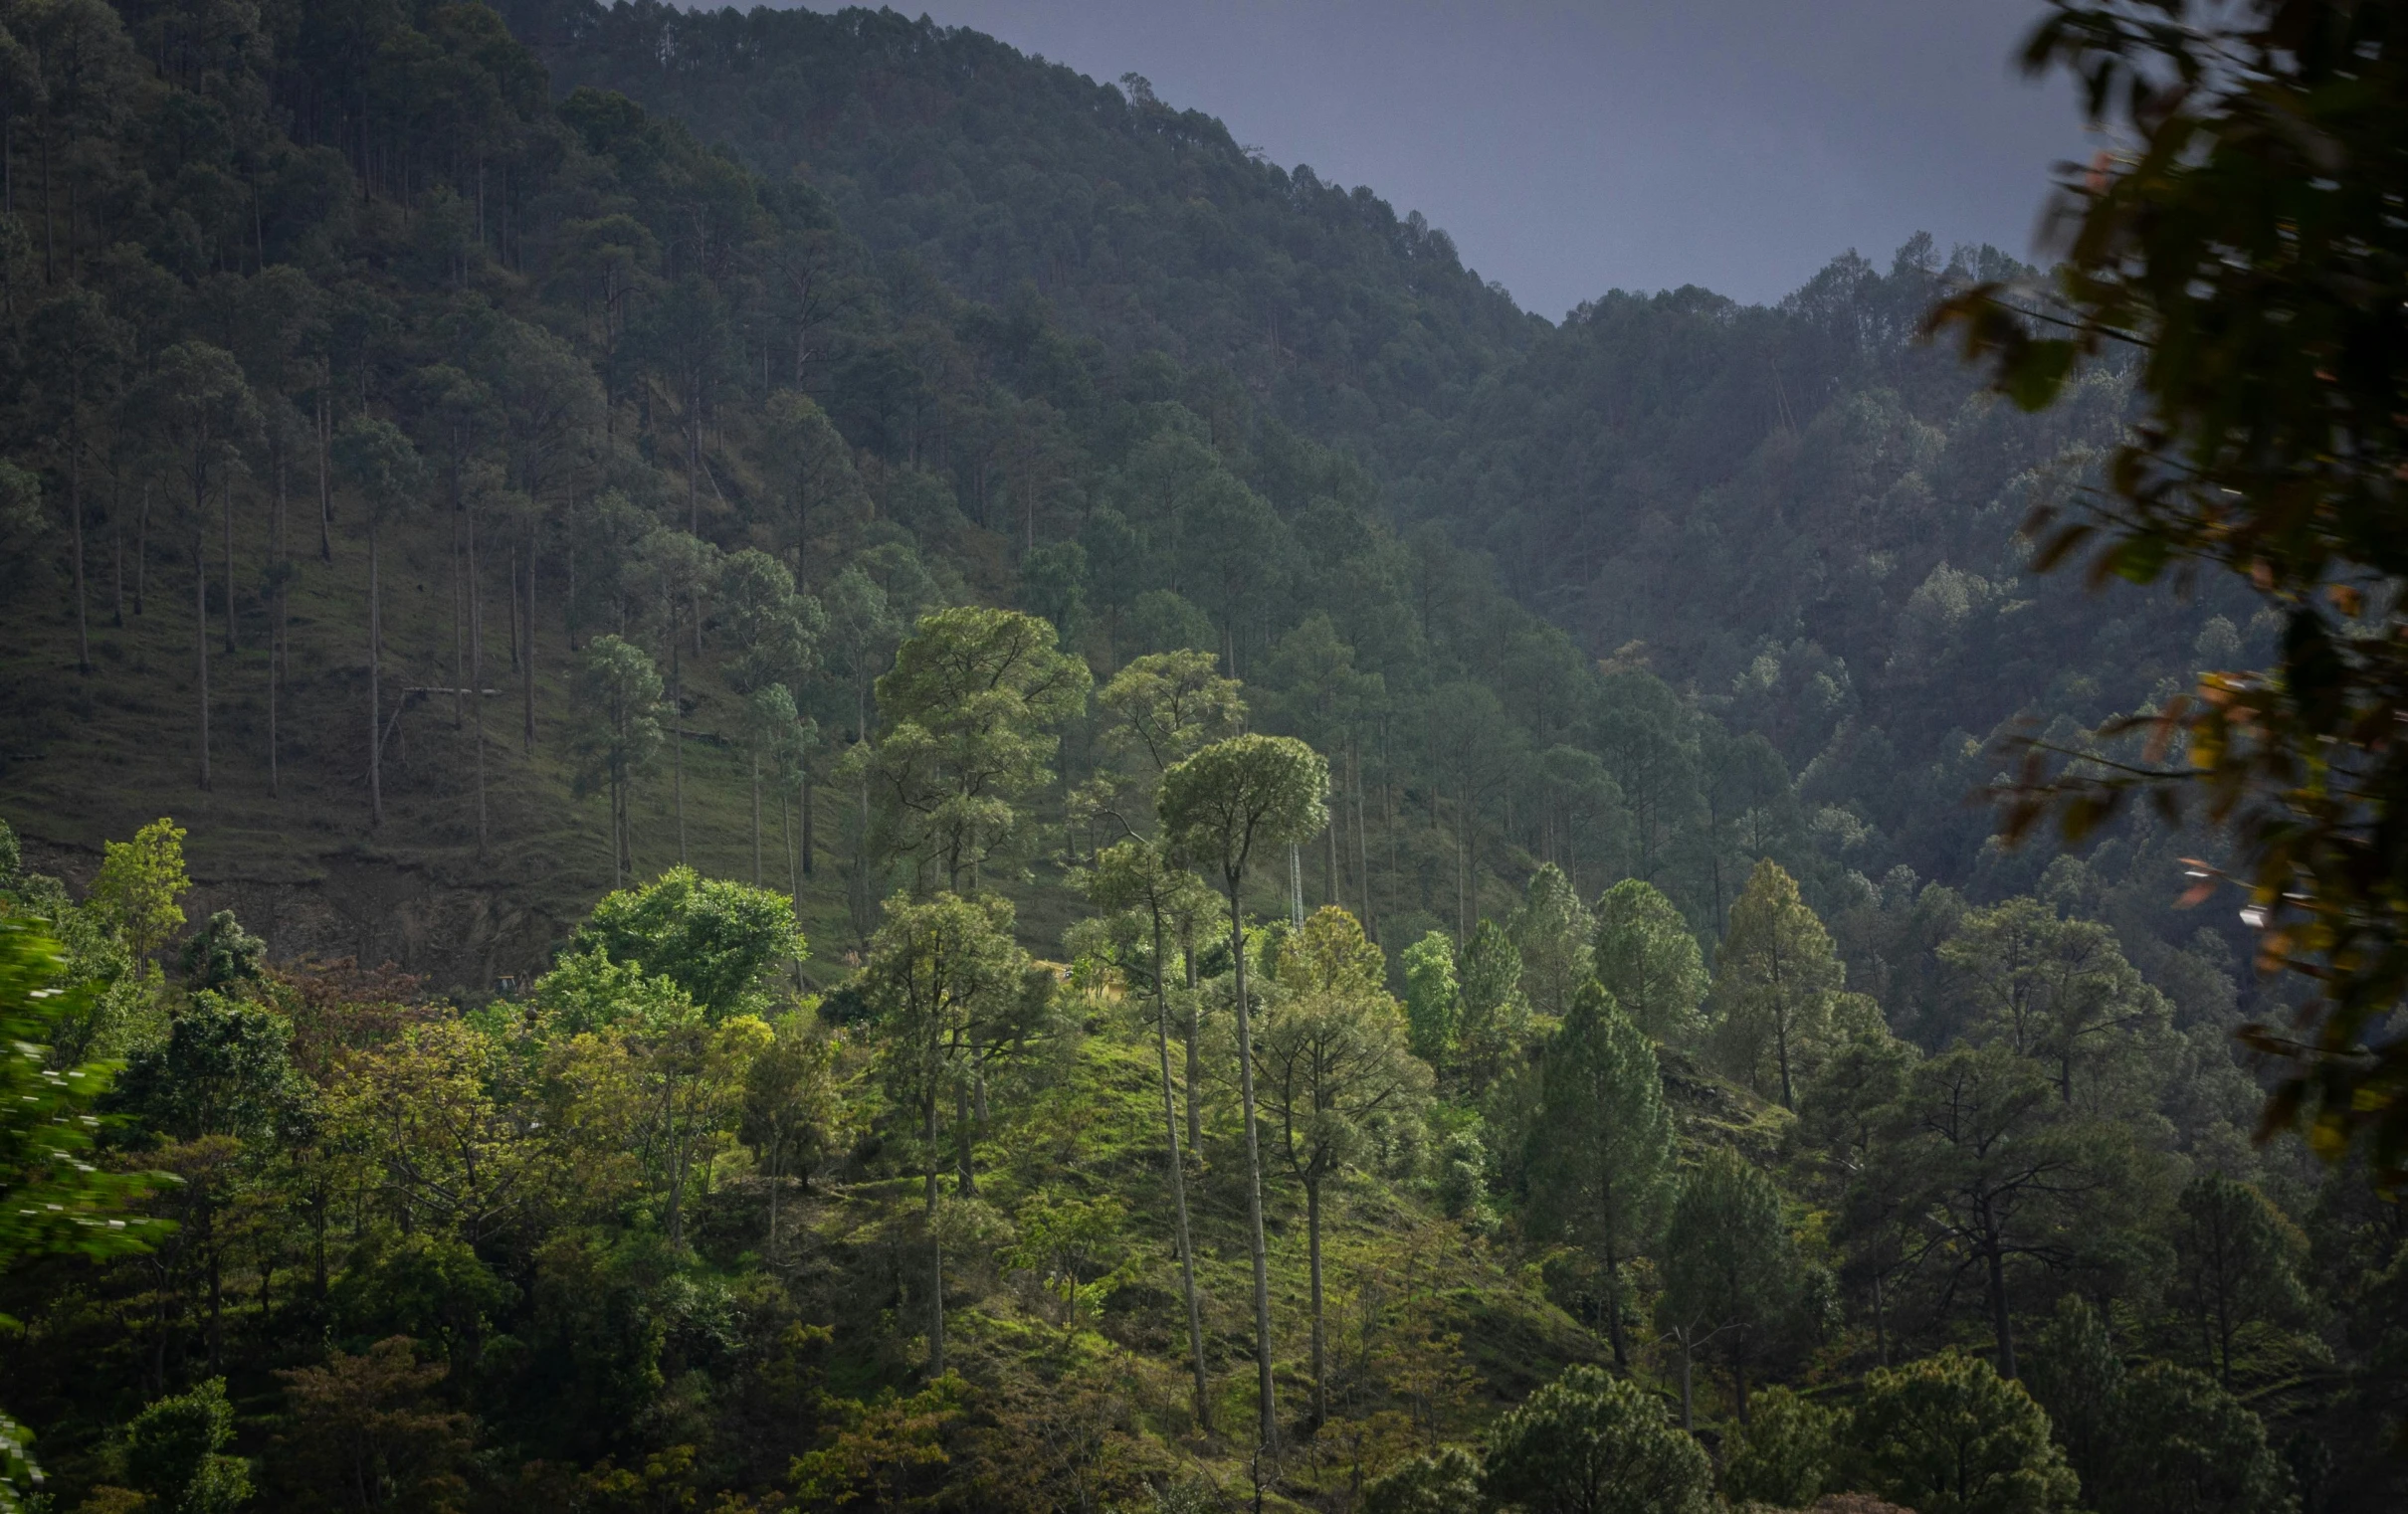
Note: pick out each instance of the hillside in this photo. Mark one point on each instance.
(711, 592)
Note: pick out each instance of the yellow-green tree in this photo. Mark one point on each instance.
(972, 705)
(138, 888)
(1334, 1062)
(1777, 1005)
(942, 975)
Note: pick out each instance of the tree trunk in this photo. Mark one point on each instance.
(1313, 1250)
(1688, 1422)
(1363, 847)
(1267, 1405)
(141, 553)
(325, 489)
(376, 790)
(275, 623)
(964, 1156)
(1178, 1184)
(1613, 1312)
(1195, 1071)
(117, 560)
(1329, 875)
(1881, 1324)
(810, 832)
(228, 490)
(527, 656)
(677, 734)
(756, 818)
(75, 518)
(477, 677)
(936, 1256)
(200, 627)
(2000, 1324)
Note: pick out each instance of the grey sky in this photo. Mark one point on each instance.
(1570, 148)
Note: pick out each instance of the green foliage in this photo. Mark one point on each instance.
(1589, 1443)
(618, 735)
(1551, 930)
(586, 992)
(790, 1100)
(2235, 1265)
(2077, 1377)
(2190, 1447)
(658, 1252)
(2270, 448)
(1445, 1484)
(716, 939)
(373, 1421)
(1950, 1436)
(1647, 957)
(1431, 998)
(2059, 992)
(1493, 1018)
(1236, 799)
(1784, 1454)
(137, 886)
(1601, 1150)
(222, 955)
(1735, 1286)
(971, 706)
(175, 1453)
(1776, 991)
(224, 1070)
(2163, 1439)
(1168, 704)
(55, 1199)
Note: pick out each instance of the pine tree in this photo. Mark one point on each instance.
(1601, 1151)
(1777, 981)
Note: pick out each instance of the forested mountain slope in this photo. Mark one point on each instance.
(1009, 178)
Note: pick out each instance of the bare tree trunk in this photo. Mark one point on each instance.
(1195, 1072)
(117, 558)
(200, 628)
(937, 1255)
(1688, 1423)
(756, 818)
(1363, 847)
(1266, 1402)
(676, 736)
(477, 677)
(810, 830)
(75, 516)
(376, 790)
(276, 627)
(526, 663)
(141, 552)
(1313, 1247)
(228, 490)
(325, 489)
(460, 641)
(2001, 1324)
(1178, 1184)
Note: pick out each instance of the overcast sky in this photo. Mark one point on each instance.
(1571, 149)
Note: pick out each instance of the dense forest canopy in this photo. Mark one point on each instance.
(895, 781)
